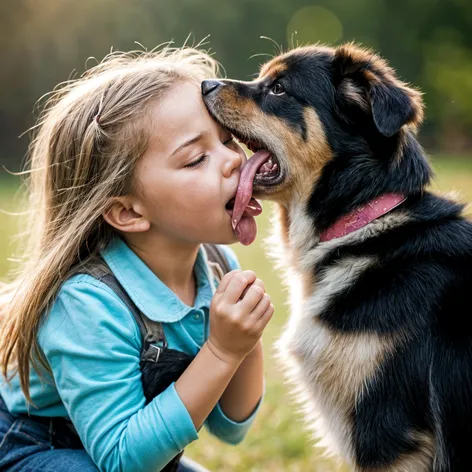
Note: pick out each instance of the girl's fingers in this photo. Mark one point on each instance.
(226, 280)
(265, 318)
(252, 298)
(257, 282)
(261, 307)
(237, 284)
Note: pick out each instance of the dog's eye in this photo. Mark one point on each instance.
(277, 89)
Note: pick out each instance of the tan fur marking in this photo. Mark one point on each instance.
(371, 77)
(366, 351)
(420, 461)
(273, 68)
(311, 157)
(331, 379)
(331, 370)
(305, 159)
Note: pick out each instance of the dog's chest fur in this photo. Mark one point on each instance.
(329, 369)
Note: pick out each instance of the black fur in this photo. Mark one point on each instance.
(157, 376)
(418, 288)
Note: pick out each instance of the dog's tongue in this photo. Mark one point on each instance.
(244, 208)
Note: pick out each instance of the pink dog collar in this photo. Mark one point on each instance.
(362, 216)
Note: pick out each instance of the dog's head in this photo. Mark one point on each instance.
(314, 105)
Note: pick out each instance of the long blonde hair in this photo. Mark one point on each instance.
(87, 141)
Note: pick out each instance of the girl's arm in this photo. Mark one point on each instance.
(92, 344)
(245, 389)
(229, 365)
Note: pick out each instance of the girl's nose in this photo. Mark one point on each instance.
(233, 160)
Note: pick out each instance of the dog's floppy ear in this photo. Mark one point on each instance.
(365, 79)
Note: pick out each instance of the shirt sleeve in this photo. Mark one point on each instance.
(93, 345)
(227, 430)
(224, 428)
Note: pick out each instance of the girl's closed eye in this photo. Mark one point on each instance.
(197, 162)
(204, 157)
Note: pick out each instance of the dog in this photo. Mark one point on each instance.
(379, 340)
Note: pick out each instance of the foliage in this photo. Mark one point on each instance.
(427, 41)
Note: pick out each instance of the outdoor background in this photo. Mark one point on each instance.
(428, 42)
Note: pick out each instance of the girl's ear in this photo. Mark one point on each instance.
(125, 215)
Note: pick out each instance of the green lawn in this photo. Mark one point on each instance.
(278, 441)
(9, 225)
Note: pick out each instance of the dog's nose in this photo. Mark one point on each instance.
(210, 85)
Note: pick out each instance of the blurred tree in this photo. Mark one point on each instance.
(427, 41)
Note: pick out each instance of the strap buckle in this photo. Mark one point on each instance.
(152, 353)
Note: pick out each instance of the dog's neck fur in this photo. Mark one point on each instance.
(350, 181)
(342, 188)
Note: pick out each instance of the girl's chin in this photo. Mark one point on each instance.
(223, 234)
(226, 237)
(218, 235)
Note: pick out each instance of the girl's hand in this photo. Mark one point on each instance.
(239, 312)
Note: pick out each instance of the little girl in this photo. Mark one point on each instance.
(127, 166)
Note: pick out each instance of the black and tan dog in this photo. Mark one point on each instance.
(380, 337)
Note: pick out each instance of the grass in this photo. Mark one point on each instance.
(278, 440)
(9, 202)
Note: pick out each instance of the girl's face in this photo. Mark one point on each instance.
(189, 171)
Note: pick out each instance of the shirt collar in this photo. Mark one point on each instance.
(157, 301)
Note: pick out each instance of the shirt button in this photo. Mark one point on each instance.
(196, 316)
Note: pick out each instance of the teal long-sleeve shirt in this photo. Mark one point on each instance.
(93, 345)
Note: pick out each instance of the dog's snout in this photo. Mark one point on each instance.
(210, 85)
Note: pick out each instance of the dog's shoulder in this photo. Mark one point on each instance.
(419, 270)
